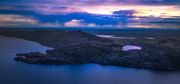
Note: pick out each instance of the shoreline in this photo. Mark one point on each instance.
(102, 51)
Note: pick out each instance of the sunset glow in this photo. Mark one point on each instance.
(92, 13)
(156, 11)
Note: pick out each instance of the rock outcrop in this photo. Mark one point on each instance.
(77, 47)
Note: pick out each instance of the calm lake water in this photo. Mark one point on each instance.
(12, 72)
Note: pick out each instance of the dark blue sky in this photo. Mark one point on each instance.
(90, 13)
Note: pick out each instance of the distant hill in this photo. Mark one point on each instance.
(55, 39)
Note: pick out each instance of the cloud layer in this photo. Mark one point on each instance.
(90, 13)
(94, 2)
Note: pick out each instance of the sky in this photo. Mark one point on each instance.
(90, 13)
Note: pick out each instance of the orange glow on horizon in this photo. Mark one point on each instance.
(155, 11)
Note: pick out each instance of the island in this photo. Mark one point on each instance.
(78, 47)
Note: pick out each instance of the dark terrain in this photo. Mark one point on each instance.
(77, 47)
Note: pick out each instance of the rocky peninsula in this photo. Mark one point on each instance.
(78, 47)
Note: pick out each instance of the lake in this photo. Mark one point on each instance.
(12, 72)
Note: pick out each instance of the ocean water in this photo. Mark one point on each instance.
(12, 72)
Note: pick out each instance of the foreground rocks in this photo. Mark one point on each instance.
(77, 47)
